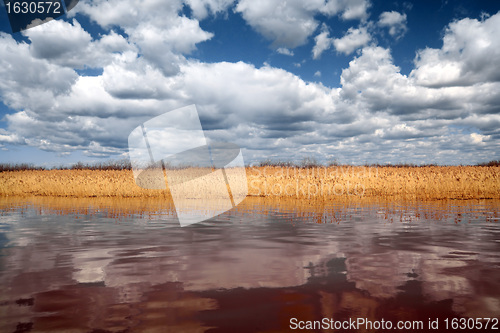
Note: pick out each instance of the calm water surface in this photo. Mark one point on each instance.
(249, 270)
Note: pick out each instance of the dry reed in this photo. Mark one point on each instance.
(319, 183)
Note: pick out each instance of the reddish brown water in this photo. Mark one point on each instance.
(249, 270)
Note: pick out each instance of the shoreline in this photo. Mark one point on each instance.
(292, 210)
(318, 183)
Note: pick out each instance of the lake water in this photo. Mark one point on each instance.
(123, 266)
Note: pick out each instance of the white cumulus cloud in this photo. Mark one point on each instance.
(377, 114)
(470, 54)
(322, 43)
(352, 40)
(285, 51)
(395, 22)
(202, 8)
(289, 23)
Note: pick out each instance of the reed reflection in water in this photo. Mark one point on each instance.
(88, 266)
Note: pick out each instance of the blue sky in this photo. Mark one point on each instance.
(353, 81)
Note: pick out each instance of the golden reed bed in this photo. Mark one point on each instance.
(318, 183)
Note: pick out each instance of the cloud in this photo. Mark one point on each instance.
(229, 91)
(27, 82)
(377, 114)
(401, 131)
(132, 78)
(161, 35)
(69, 45)
(6, 137)
(395, 21)
(287, 24)
(62, 111)
(290, 23)
(285, 51)
(376, 83)
(478, 138)
(431, 122)
(96, 114)
(357, 9)
(322, 43)
(181, 37)
(470, 54)
(123, 13)
(58, 39)
(352, 40)
(202, 8)
(348, 9)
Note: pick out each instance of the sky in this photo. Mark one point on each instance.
(359, 81)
